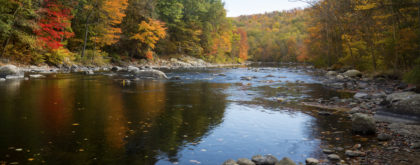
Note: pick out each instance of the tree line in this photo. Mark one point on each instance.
(369, 35)
(96, 31)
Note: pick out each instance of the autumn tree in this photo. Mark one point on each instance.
(54, 24)
(149, 33)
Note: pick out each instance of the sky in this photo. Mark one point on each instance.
(246, 7)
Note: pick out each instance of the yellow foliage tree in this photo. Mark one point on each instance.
(149, 33)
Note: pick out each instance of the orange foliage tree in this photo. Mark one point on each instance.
(111, 16)
(243, 45)
(149, 33)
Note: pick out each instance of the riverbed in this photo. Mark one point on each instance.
(204, 116)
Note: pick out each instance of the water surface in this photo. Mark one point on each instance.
(207, 117)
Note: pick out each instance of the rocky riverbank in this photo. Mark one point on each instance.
(140, 69)
(381, 107)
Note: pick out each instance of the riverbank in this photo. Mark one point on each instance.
(383, 108)
(16, 71)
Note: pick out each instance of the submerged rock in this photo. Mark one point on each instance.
(312, 161)
(2, 79)
(245, 161)
(404, 103)
(230, 162)
(286, 161)
(264, 160)
(362, 123)
(353, 73)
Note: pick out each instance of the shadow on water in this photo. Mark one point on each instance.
(211, 115)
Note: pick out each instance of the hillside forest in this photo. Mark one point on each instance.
(369, 35)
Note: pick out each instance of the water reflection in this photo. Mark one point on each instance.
(206, 118)
(87, 120)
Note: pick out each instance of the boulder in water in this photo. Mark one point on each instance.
(150, 73)
(353, 73)
(362, 123)
(11, 71)
(407, 103)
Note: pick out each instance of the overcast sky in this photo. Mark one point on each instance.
(246, 7)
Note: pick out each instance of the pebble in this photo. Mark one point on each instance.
(333, 157)
(384, 137)
(327, 151)
(312, 161)
(230, 162)
(245, 161)
(350, 153)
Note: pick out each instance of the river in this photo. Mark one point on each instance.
(207, 117)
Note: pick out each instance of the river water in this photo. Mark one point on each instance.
(207, 117)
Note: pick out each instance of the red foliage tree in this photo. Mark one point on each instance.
(54, 24)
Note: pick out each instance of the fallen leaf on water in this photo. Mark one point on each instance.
(19, 149)
(31, 159)
(75, 124)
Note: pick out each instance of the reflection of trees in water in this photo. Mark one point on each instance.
(85, 121)
(187, 113)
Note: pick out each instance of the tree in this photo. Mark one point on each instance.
(149, 33)
(55, 24)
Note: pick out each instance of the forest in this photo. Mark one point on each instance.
(368, 35)
(95, 32)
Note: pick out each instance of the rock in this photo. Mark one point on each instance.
(230, 162)
(415, 145)
(11, 77)
(246, 78)
(151, 73)
(355, 110)
(384, 137)
(350, 153)
(312, 161)
(286, 161)
(89, 72)
(36, 76)
(221, 74)
(116, 68)
(340, 77)
(331, 74)
(245, 161)
(362, 123)
(405, 129)
(327, 151)
(360, 96)
(333, 157)
(10, 70)
(2, 79)
(132, 69)
(407, 103)
(323, 113)
(175, 78)
(353, 73)
(264, 160)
